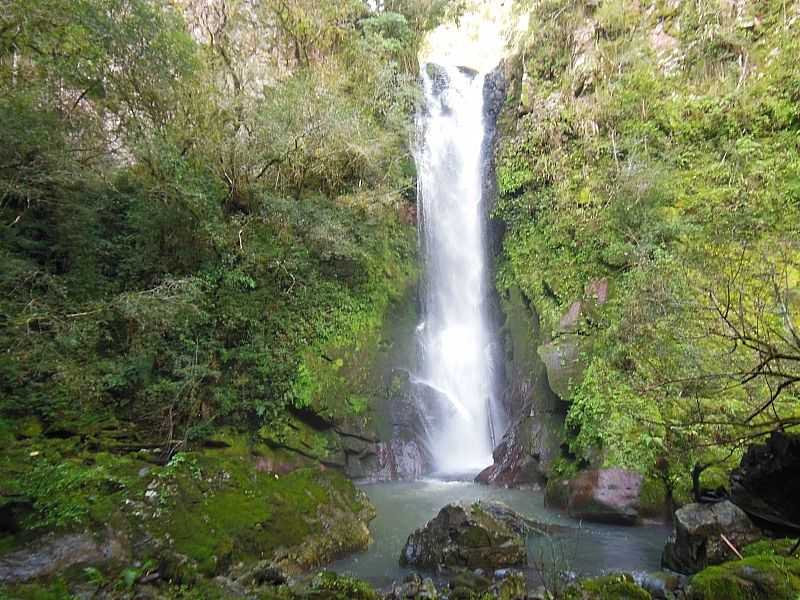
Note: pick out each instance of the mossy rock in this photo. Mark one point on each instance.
(512, 587)
(218, 509)
(608, 587)
(29, 427)
(760, 577)
(341, 587)
(769, 547)
(652, 499)
(556, 493)
(564, 363)
(56, 590)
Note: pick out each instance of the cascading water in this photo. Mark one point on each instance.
(455, 339)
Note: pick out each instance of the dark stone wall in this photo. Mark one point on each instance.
(494, 96)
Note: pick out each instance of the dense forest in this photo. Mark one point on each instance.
(209, 275)
(654, 148)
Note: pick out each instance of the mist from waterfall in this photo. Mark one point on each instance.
(456, 374)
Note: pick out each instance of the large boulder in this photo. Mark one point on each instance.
(55, 554)
(484, 535)
(564, 363)
(526, 449)
(766, 485)
(754, 578)
(605, 495)
(697, 542)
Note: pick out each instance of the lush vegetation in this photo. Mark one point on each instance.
(657, 145)
(189, 208)
(206, 218)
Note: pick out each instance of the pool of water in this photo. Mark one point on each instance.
(583, 548)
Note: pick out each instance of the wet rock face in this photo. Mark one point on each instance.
(766, 485)
(494, 92)
(439, 77)
(564, 364)
(56, 554)
(697, 541)
(603, 495)
(519, 458)
(399, 460)
(483, 535)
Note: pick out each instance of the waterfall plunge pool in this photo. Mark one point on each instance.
(585, 548)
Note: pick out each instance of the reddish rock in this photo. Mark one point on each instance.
(513, 467)
(524, 455)
(597, 290)
(571, 319)
(605, 495)
(268, 465)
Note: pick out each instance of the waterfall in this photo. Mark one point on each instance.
(456, 374)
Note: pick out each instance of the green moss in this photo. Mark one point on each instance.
(219, 509)
(652, 498)
(346, 588)
(779, 547)
(609, 587)
(513, 587)
(556, 492)
(57, 590)
(754, 578)
(30, 427)
(637, 148)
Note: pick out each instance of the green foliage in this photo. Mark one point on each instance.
(57, 590)
(184, 236)
(345, 587)
(302, 390)
(65, 493)
(640, 149)
(607, 413)
(608, 587)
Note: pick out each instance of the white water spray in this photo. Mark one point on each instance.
(455, 339)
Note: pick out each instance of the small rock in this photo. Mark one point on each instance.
(661, 585)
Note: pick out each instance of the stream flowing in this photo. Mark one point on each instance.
(583, 548)
(456, 382)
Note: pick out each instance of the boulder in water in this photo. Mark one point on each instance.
(484, 535)
(518, 457)
(697, 541)
(605, 495)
